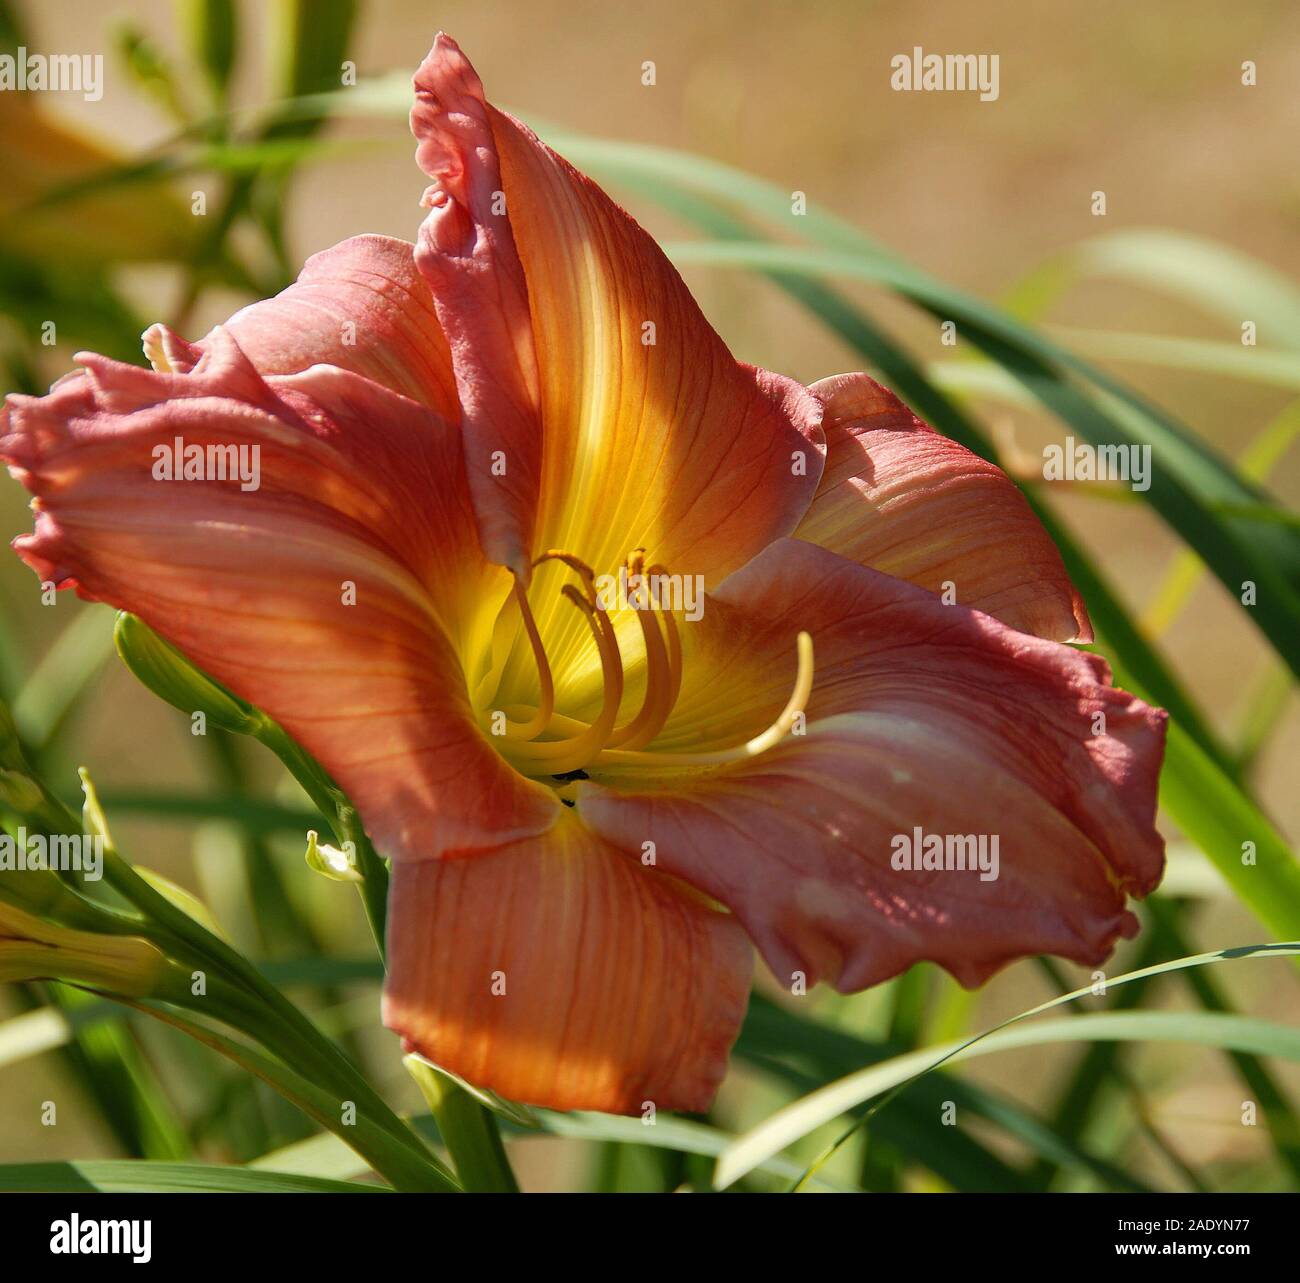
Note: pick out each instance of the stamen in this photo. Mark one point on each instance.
(658, 701)
(796, 704)
(577, 744)
(559, 756)
(584, 571)
(541, 719)
(674, 645)
(560, 724)
(774, 734)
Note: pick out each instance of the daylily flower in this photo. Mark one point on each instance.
(593, 805)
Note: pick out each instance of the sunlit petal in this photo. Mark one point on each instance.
(297, 589)
(922, 715)
(563, 973)
(360, 305)
(899, 497)
(652, 435)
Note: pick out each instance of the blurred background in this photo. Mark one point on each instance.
(1144, 103)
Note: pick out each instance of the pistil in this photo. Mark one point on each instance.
(773, 735)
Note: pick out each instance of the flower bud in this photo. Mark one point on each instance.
(34, 949)
(340, 865)
(166, 672)
(20, 792)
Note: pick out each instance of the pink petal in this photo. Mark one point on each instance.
(563, 973)
(900, 498)
(921, 715)
(467, 254)
(361, 306)
(357, 485)
(613, 441)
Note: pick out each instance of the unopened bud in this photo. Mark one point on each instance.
(165, 671)
(20, 792)
(34, 949)
(341, 865)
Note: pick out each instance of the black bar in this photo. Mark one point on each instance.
(833, 1235)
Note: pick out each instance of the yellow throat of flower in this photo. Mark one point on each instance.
(540, 741)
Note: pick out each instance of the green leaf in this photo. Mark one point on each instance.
(323, 971)
(256, 814)
(467, 1128)
(1278, 1113)
(398, 1159)
(186, 901)
(1220, 818)
(1258, 460)
(60, 680)
(308, 45)
(116, 1176)
(683, 1135)
(212, 27)
(1220, 280)
(119, 1076)
(1202, 356)
(804, 1054)
(1228, 1032)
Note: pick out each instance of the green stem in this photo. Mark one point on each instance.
(251, 1002)
(468, 1130)
(342, 817)
(404, 1168)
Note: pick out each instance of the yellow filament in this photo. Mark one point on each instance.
(576, 743)
(674, 647)
(560, 724)
(796, 704)
(584, 571)
(541, 719)
(561, 756)
(659, 696)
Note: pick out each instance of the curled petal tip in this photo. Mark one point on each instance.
(167, 352)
